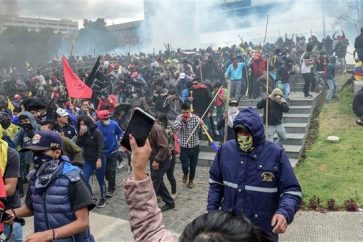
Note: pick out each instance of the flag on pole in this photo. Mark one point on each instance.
(10, 105)
(76, 87)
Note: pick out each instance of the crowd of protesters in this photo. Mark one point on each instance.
(175, 86)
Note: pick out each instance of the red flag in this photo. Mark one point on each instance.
(76, 87)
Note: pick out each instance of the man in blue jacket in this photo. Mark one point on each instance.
(253, 177)
(112, 134)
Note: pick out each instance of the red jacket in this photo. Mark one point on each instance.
(258, 66)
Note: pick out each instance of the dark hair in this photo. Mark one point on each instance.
(17, 110)
(189, 84)
(217, 85)
(163, 119)
(220, 226)
(87, 121)
(50, 123)
(172, 91)
(185, 106)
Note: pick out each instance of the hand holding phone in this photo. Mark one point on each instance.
(139, 127)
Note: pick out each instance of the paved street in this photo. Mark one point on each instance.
(110, 224)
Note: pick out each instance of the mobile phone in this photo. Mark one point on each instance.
(5, 216)
(139, 126)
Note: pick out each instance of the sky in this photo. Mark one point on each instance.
(115, 11)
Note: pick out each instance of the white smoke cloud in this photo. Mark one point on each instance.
(181, 23)
(76, 9)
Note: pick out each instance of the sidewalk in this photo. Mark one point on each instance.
(110, 224)
(307, 227)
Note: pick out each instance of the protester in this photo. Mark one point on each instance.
(57, 196)
(69, 148)
(358, 45)
(186, 123)
(91, 141)
(9, 169)
(235, 73)
(112, 135)
(253, 177)
(307, 63)
(272, 115)
(160, 163)
(162, 120)
(63, 126)
(330, 79)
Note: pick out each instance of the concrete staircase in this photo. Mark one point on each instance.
(296, 122)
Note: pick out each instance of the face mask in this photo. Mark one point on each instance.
(106, 122)
(232, 110)
(134, 95)
(245, 142)
(27, 126)
(186, 116)
(39, 159)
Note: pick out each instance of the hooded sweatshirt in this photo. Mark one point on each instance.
(275, 109)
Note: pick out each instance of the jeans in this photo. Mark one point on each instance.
(17, 235)
(280, 131)
(88, 168)
(111, 162)
(330, 91)
(236, 88)
(286, 90)
(158, 182)
(189, 160)
(170, 173)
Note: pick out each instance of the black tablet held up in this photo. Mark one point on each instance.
(139, 126)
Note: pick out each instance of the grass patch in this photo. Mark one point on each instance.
(334, 171)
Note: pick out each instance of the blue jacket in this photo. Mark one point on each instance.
(53, 209)
(112, 134)
(235, 74)
(258, 184)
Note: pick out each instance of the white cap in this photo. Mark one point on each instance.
(61, 112)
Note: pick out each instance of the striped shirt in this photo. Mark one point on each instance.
(186, 128)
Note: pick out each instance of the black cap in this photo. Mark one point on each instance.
(45, 140)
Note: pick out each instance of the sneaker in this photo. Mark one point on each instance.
(110, 193)
(102, 203)
(94, 199)
(121, 164)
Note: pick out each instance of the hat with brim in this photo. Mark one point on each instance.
(61, 112)
(45, 140)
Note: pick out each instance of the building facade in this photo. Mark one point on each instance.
(63, 26)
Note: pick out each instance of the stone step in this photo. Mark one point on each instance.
(296, 118)
(293, 151)
(292, 109)
(296, 127)
(295, 139)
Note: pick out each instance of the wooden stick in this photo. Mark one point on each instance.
(264, 39)
(266, 108)
(229, 83)
(210, 104)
